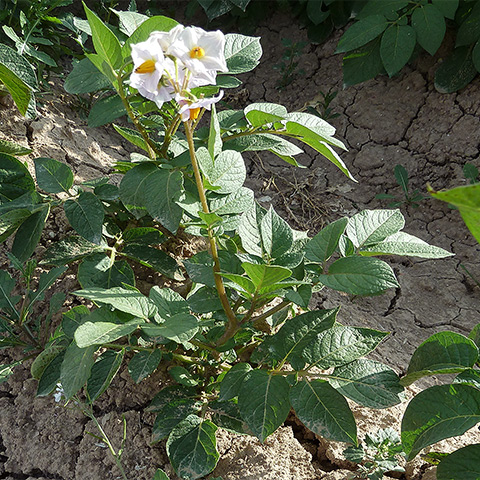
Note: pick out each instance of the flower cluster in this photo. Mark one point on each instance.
(168, 64)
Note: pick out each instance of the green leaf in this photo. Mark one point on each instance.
(192, 449)
(160, 475)
(469, 30)
(6, 371)
(263, 402)
(429, 26)
(242, 53)
(372, 226)
(143, 364)
(14, 149)
(86, 214)
(92, 334)
(129, 21)
(18, 77)
(155, 189)
(368, 383)
(227, 171)
(322, 246)
(456, 72)
(362, 32)
(50, 376)
(469, 376)
(276, 234)
(103, 372)
(386, 7)
(29, 233)
(69, 250)
(15, 180)
(259, 114)
(402, 243)
(467, 199)
(105, 42)
(264, 276)
(324, 411)
(443, 352)
(168, 302)
(227, 415)
(396, 47)
(204, 300)
(73, 318)
(106, 110)
(171, 414)
(154, 258)
(43, 360)
(232, 383)
(362, 64)
(237, 202)
(463, 464)
(132, 136)
(179, 328)
(439, 412)
(85, 78)
(447, 7)
(249, 230)
(340, 345)
(359, 276)
(98, 271)
(76, 367)
(157, 23)
(128, 301)
(294, 336)
(53, 176)
(214, 137)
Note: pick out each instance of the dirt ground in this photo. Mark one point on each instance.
(384, 122)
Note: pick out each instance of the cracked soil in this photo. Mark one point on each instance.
(383, 122)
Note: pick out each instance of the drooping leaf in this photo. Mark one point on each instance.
(429, 24)
(439, 412)
(469, 376)
(368, 383)
(323, 410)
(191, 448)
(53, 176)
(144, 364)
(469, 30)
(443, 352)
(463, 464)
(396, 47)
(86, 215)
(359, 276)
(263, 402)
(29, 233)
(259, 114)
(76, 368)
(362, 32)
(456, 71)
(103, 372)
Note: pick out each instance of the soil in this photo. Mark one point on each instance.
(383, 122)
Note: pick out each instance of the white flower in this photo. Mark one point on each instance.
(59, 393)
(148, 67)
(165, 39)
(199, 50)
(189, 110)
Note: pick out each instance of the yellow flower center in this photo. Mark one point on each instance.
(197, 52)
(146, 67)
(194, 112)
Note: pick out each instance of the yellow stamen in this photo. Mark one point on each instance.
(146, 67)
(197, 52)
(194, 112)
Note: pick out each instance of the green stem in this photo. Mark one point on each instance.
(271, 311)
(169, 133)
(232, 324)
(152, 153)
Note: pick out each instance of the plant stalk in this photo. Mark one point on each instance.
(232, 324)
